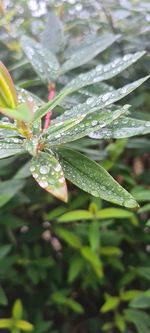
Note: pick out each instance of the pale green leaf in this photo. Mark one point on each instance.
(24, 326)
(6, 323)
(110, 304)
(75, 215)
(17, 311)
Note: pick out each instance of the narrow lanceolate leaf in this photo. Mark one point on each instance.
(21, 112)
(50, 105)
(48, 173)
(56, 129)
(93, 104)
(124, 127)
(104, 72)
(87, 53)
(52, 37)
(10, 147)
(43, 61)
(8, 125)
(95, 120)
(8, 96)
(92, 178)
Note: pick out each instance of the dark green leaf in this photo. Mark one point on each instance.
(92, 178)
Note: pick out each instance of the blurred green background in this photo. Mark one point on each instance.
(81, 267)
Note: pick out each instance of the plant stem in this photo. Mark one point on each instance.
(51, 95)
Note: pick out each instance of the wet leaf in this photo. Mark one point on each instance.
(43, 61)
(92, 178)
(104, 72)
(83, 127)
(124, 127)
(53, 28)
(48, 173)
(88, 52)
(10, 146)
(93, 104)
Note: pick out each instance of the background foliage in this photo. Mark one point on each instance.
(82, 266)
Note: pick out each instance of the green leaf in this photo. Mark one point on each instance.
(3, 297)
(144, 272)
(124, 127)
(59, 298)
(93, 259)
(93, 104)
(10, 146)
(8, 125)
(53, 28)
(17, 311)
(117, 213)
(88, 52)
(75, 268)
(8, 189)
(129, 294)
(110, 304)
(48, 173)
(141, 194)
(110, 251)
(94, 235)
(139, 319)
(24, 326)
(6, 323)
(120, 322)
(92, 178)
(21, 112)
(43, 61)
(140, 302)
(4, 250)
(55, 131)
(69, 237)
(75, 215)
(50, 105)
(104, 72)
(93, 121)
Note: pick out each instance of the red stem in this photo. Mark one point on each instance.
(51, 95)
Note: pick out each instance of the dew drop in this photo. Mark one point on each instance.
(32, 168)
(44, 170)
(43, 183)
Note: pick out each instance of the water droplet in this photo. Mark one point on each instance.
(44, 170)
(58, 168)
(32, 168)
(43, 183)
(94, 122)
